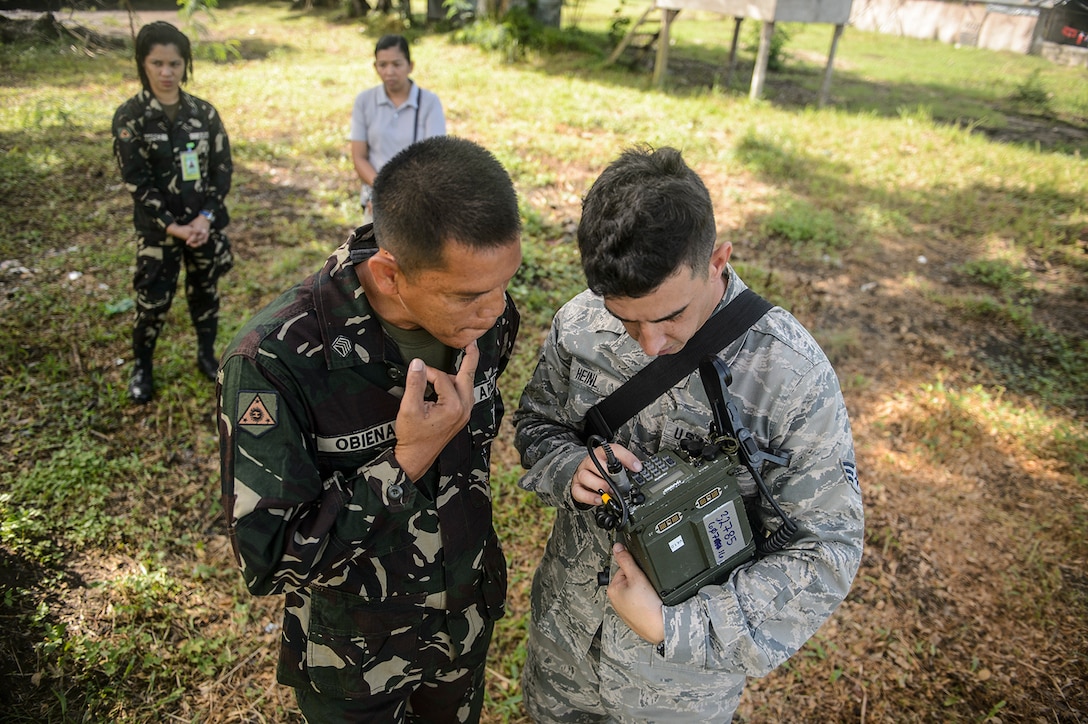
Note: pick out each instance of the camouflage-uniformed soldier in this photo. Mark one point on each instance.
(174, 157)
(648, 244)
(356, 479)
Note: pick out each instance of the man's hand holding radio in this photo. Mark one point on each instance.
(587, 484)
(631, 592)
(634, 598)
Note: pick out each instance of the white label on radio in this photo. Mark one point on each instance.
(676, 543)
(724, 531)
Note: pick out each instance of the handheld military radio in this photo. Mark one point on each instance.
(686, 525)
(682, 516)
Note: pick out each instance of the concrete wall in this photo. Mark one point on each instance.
(964, 23)
(1064, 54)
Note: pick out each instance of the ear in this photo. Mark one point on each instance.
(719, 258)
(385, 271)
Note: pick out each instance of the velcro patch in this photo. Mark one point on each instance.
(258, 411)
(851, 471)
(593, 378)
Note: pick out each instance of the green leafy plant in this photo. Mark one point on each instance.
(809, 229)
(214, 50)
(1032, 94)
(1008, 278)
(776, 56)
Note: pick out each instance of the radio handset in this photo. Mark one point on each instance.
(716, 377)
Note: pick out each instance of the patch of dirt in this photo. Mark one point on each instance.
(970, 603)
(1047, 132)
(965, 524)
(783, 89)
(22, 26)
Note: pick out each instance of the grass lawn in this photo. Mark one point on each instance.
(930, 226)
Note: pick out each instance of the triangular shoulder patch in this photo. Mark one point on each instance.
(259, 411)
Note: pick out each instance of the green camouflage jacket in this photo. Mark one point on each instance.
(381, 577)
(789, 398)
(149, 148)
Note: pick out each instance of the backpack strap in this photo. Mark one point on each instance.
(419, 106)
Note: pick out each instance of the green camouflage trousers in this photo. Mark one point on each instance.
(158, 266)
(454, 696)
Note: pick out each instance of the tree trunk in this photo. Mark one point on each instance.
(548, 12)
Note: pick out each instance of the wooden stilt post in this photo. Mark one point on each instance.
(661, 64)
(825, 87)
(733, 52)
(760, 72)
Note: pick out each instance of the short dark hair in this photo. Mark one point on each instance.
(439, 190)
(393, 41)
(647, 214)
(161, 32)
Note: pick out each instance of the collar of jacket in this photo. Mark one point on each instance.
(152, 106)
(412, 101)
(350, 331)
(625, 352)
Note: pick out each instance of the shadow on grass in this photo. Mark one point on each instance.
(1034, 346)
(695, 69)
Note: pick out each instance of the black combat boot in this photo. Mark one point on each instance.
(141, 386)
(205, 353)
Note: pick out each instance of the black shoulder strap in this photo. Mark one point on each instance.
(651, 381)
(419, 105)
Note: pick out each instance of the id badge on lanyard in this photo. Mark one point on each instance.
(190, 164)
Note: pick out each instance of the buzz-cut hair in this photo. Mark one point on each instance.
(440, 190)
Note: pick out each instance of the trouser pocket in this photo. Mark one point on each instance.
(357, 647)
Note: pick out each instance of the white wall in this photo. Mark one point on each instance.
(964, 23)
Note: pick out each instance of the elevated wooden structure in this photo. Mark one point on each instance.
(768, 12)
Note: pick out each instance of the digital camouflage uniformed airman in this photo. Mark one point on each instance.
(174, 156)
(648, 244)
(356, 480)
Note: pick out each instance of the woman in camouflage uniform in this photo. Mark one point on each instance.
(174, 157)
